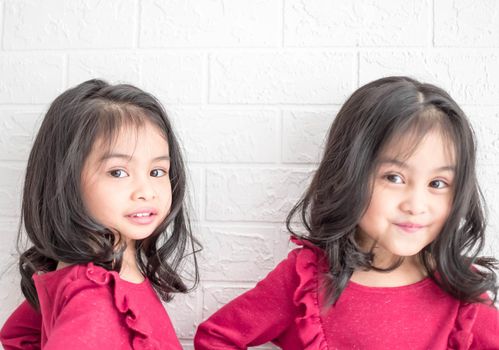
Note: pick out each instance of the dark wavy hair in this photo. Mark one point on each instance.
(56, 222)
(339, 194)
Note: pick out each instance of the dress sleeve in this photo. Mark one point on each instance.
(22, 329)
(486, 328)
(257, 316)
(86, 319)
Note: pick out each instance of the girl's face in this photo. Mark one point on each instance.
(126, 187)
(411, 200)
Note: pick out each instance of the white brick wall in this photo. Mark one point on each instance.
(468, 24)
(368, 23)
(280, 76)
(252, 87)
(55, 24)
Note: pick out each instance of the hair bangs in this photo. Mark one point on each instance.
(409, 132)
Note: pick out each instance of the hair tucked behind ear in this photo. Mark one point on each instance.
(55, 220)
(339, 193)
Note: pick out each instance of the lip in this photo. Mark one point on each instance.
(409, 227)
(136, 217)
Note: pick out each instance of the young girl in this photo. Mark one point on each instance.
(103, 207)
(394, 225)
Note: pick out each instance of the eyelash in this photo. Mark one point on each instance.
(388, 177)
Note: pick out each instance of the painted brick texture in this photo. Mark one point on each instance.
(252, 87)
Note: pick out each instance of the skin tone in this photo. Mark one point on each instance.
(127, 187)
(411, 201)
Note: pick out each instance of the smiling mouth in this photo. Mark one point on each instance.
(410, 227)
(141, 215)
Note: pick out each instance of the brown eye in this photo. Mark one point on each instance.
(396, 179)
(118, 173)
(158, 173)
(438, 184)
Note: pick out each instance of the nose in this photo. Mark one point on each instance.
(415, 202)
(143, 189)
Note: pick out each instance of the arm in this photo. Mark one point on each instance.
(256, 317)
(87, 319)
(22, 329)
(486, 328)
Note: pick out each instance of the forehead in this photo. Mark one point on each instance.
(434, 146)
(129, 137)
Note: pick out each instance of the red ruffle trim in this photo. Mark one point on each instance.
(140, 327)
(461, 336)
(306, 297)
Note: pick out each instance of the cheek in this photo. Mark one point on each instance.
(372, 216)
(443, 208)
(100, 200)
(166, 194)
(378, 203)
(165, 189)
(88, 198)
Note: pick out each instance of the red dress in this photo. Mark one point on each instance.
(88, 307)
(286, 308)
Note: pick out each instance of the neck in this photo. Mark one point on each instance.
(409, 272)
(129, 269)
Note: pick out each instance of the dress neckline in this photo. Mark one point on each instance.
(413, 286)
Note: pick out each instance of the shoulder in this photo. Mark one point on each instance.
(309, 260)
(86, 282)
(79, 290)
(303, 263)
(78, 298)
(476, 327)
(487, 320)
(298, 277)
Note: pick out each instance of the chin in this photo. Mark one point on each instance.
(406, 253)
(137, 236)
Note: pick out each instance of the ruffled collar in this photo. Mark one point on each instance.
(140, 327)
(306, 298)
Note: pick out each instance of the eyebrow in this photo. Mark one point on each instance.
(405, 166)
(128, 157)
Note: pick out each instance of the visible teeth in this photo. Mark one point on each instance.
(140, 215)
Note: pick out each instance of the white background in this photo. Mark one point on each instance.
(252, 87)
